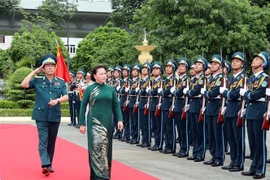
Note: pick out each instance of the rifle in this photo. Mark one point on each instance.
(135, 108)
(223, 83)
(239, 122)
(171, 113)
(146, 109)
(201, 116)
(125, 108)
(265, 125)
(184, 110)
(157, 112)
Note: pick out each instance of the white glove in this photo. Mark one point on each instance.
(186, 107)
(172, 89)
(137, 103)
(243, 112)
(267, 92)
(126, 89)
(223, 111)
(137, 89)
(222, 89)
(147, 89)
(185, 90)
(117, 88)
(159, 90)
(73, 102)
(159, 105)
(146, 106)
(126, 102)
(203, 90)
(242, 91)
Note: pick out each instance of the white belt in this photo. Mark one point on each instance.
(197, 96)
(261, 99)
(218, 97)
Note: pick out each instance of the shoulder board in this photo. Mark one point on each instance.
(39, 76)
(220, 75)
(59, 78)
(265, 75)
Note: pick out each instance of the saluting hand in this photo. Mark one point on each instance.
(38, 69)
(120, 125)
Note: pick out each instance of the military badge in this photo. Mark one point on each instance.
(255, 84)
(57, 83)
(264, 84)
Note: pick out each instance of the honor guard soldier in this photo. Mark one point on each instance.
(195, 104)
(144, 104)
(124, 88)
(133, 101)
(192, 76)
(180, 102)
(116, 82)
(154, 102)
(109, 80)
(71, 99)
(235, 134)
(168, 122)
(256, 107)
(50, 92)
(215, 128)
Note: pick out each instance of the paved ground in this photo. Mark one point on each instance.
(165, 167)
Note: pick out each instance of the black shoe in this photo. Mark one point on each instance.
(77, 126)
(156, 149)
(182, 155)
(46, 171)
(133, 142)
(258, 176)
(228, 153)
(191, 158)
(227, 167)
(216, 164)
(248, 173)
(268, 161)
(248, 156)
(145, 145)
(176, 154)
(51, 169)
(150, 148)
(139, 145)
(70, 124)
(168, 151)
(210, 162)
(115, 137)
(236, 169)
(198, 159)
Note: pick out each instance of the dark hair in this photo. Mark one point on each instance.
(94, 71)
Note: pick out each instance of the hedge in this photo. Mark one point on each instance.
(25, 112)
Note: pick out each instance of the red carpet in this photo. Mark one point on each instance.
(19, 158)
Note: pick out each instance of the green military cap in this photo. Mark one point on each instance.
(72, 73)
(171, 62)
(81, 71)
(137, 67)
(184, 60)
(216, 58)
(48, 59)
(192, 66)
(157, 64)
(126, 67)
(264, 56)
(119, 68)
(147, 65)
(238, 55)
(228, 65)
(203, 61)
(110, 68)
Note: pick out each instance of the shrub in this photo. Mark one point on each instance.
(7, 104)
(25, 103)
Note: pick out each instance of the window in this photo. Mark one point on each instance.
(71, 49)
(2, 39)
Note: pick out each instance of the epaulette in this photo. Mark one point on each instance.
(39, 76)
(220, 75)
(265, 75)
(59, 78)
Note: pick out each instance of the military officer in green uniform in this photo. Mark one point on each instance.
(109, 79)
(50, 93)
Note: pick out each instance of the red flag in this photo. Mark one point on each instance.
(61, 69)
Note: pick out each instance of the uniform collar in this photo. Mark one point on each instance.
(214, 75)
(198, 75)
(145, 78)
(180, 77)
(235, 75)
(170, 76)
(157, 78)
(257, 74)
(134, 78)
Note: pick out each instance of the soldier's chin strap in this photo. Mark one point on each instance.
(258, 66)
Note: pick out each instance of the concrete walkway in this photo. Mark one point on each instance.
(165, 167)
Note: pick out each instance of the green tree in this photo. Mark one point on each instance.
(8, 6)
(29, 46)
(123, 12)
(260, 3)
(194, 27)
(107, 45)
